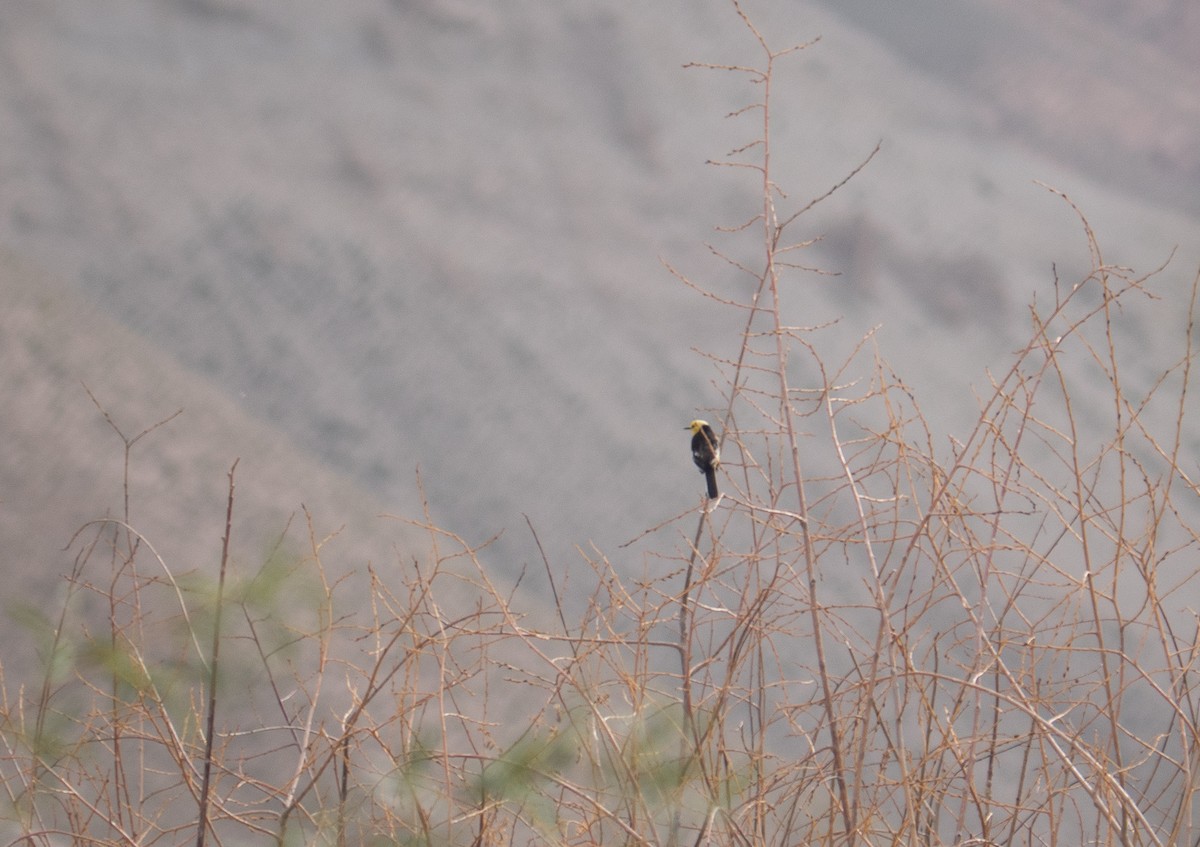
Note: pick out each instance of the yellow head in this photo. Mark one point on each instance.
(695, 426)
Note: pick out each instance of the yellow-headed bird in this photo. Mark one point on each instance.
(706, 453)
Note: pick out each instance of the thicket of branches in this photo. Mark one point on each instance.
(985, 641)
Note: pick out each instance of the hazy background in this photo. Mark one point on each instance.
(352, 240)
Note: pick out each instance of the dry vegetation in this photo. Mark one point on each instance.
(981, 642)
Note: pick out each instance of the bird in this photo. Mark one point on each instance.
(706, 453)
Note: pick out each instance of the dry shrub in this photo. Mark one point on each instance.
(907, 639)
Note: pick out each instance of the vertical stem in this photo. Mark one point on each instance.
(202, 824)
(771, 231)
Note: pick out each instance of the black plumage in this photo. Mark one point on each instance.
(706, 453)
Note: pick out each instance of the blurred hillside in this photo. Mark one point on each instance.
(62, 465)
(359, 239)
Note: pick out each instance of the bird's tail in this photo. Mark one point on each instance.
(710, 474)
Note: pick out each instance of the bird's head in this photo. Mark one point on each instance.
(695, 426)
